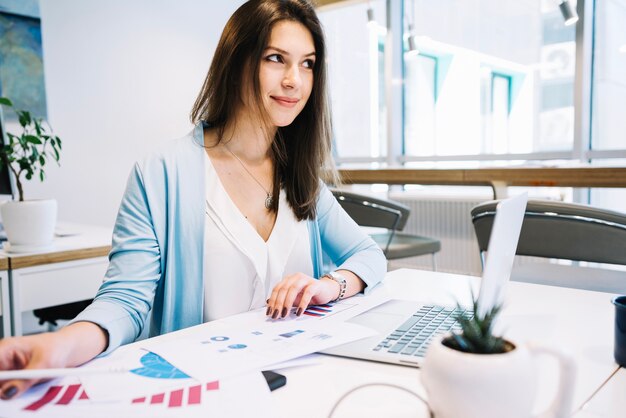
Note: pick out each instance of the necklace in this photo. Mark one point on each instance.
(269, 199)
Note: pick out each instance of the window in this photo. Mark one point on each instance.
(356, 67)
(507, 84)
(493, 83)
(609, 76)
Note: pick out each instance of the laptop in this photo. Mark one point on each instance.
(405, 328)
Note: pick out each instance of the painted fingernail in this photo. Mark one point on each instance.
(269, 311)
(299, 312)
(267, 301)
(275, 314)
(9, 392)
(284, 312)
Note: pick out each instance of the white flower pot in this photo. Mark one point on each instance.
(30, 224)
(491, 385)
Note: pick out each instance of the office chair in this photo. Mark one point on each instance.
(66, 311)
(374, 212)
(568, 231)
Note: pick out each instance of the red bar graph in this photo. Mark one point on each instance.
(157, 399)
(66, 395)
(48, 397)
(176, 398)
(69, 394)
(194, 395)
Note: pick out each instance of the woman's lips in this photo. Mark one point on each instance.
(285, 101)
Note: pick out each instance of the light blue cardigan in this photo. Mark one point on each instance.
(156, 258)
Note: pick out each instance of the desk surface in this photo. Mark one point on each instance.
(4, 263)
(578, 320)
(72, 242)
(610, 401)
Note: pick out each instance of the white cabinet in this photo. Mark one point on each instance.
(71, 270)
(5, 305)
(54, 284)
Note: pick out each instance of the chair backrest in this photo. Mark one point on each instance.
(561, 230)
(370, 211)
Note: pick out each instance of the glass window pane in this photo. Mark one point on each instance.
(524, 42)
(609, 76)
(419, 129)
(356, 78)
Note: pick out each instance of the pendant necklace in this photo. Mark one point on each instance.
(269, 199)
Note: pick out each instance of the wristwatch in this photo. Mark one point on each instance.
(333, 275)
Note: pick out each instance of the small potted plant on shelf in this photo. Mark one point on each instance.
(475, 373)
(29, 224)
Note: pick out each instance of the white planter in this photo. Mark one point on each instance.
(491, 385)
(30, 224)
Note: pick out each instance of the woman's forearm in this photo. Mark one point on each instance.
(354, 284)
(84, 341)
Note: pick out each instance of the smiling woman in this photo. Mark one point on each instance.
(233, 216)
(286, 73)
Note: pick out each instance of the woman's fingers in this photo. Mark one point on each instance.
(16, 354)
(299, 291)
(286, 294)
(306, 297)
(13, 388)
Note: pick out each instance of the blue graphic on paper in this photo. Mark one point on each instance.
(157, 367)
(219, 338)
(292, 333)
(237, 346)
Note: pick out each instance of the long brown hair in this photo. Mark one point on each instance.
(301, 150)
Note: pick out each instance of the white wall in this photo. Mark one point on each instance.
(120, 77)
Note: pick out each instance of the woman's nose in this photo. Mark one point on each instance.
(292, 77)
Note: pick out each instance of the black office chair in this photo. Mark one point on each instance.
(568, 231)
(66, 311)
(381, 213)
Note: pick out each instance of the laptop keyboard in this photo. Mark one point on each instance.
(414, 335)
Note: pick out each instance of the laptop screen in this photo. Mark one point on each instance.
(501, 251)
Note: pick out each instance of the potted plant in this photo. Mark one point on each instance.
(475, 373)
(29, 224)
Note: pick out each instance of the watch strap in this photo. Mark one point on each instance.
(343, 284)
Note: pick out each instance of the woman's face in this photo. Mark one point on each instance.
(286, 71)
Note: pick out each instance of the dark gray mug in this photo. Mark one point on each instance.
(620, 330)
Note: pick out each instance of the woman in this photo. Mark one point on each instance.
(233, 216)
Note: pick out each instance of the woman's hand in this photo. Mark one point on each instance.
(299, 290)
(69, 347)
(40, 351)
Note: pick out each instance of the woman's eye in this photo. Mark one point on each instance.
(309, 64)
(274, 58)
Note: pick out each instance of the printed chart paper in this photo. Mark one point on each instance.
(67, 398)
(207, 355)
(146, 373)
(339, 311)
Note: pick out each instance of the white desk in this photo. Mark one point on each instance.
(581, 321)
(610, 401)
(72, 269)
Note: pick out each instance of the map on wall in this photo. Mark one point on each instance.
(21, 62)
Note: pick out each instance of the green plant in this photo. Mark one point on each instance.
(476, 335)
(27, 154)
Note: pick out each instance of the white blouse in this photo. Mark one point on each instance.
(240, 268)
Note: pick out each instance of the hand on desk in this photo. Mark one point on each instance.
(69, 347)
(299, 291)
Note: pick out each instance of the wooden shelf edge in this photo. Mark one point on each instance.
(16, 262)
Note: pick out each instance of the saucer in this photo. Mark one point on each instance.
(17, 249)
